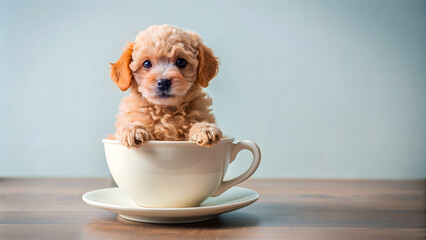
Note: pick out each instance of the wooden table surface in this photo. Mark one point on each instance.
(287, 209)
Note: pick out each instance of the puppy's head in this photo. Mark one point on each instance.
(165, 62)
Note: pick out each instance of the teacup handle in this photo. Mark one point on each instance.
(235, 149)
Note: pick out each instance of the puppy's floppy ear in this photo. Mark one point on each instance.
(120, 71)
(208, 64)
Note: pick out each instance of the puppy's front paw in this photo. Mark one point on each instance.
(205, 134)
(132, 135)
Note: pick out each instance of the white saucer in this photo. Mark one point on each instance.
(114, 200)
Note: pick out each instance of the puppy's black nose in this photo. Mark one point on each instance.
(164, 84)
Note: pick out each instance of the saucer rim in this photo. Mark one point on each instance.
(253, 197)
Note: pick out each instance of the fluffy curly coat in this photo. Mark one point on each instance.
(184, 112)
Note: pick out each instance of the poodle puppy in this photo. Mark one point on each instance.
(165, 69)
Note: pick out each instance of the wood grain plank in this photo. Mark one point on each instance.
(287, 209)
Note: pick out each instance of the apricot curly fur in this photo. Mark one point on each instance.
(186, 114)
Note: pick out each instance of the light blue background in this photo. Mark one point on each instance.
(328, 89)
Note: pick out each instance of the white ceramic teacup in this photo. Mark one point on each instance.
(172, 174)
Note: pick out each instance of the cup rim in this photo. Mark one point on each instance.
(225, 139)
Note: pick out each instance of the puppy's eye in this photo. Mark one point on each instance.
(180, 63)
(147, 64)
